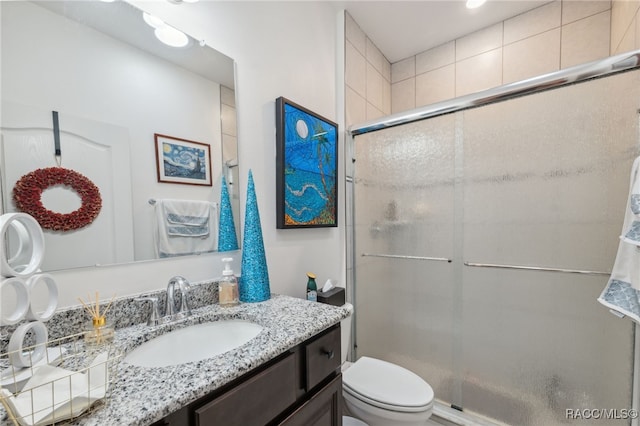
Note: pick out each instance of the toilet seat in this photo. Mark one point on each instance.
(387, 386)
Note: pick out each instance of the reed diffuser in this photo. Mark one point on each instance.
(99, 331)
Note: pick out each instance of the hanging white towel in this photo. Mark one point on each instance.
(185, 227)
(623, 289)
(55, 394)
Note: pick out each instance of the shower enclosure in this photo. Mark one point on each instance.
(482, 237)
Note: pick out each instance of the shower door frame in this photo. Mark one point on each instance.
(597, 69)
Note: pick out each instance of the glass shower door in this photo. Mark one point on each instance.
(536, 181)
(404, 213)
(545, 185)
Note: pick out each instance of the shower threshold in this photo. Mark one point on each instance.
(444, 415)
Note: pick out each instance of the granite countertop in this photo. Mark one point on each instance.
(141, 396)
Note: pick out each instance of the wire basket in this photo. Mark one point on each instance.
(72, 379)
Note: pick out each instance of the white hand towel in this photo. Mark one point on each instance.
(185, 227)
(54, 394)
(13, 378)
(622, 291)
(627, 264)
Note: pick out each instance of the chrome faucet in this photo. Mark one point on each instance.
(184, 287)
(154, 317)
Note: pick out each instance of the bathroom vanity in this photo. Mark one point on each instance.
(302, 386)
(289, 374)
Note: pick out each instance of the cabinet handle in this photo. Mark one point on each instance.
(328, 353)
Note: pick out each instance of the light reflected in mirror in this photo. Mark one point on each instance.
(114, 85)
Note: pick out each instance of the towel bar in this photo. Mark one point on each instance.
(535, 268)
(395, 256)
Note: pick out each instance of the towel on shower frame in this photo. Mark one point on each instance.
(622, 292)
(185, 227)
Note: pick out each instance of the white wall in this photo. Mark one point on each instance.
(281, 49)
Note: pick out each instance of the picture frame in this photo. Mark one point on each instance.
(306, 168)
(182, 161)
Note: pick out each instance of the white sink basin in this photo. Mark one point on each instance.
(193, 343)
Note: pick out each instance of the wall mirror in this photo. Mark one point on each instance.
(114, 85)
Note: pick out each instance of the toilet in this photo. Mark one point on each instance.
(380, 393)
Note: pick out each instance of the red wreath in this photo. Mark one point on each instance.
(27, 195)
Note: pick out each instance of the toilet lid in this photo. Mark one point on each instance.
(387, 385)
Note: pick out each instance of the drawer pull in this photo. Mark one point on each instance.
(328, 353)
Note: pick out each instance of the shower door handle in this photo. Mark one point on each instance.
(535, 268)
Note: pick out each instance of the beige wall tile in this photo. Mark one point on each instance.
(228, 121)
(481, 41)
(356, 107)
(628, 41)
(479, 72)
(574, 10)
(637, 46)
(229, 147)
(403, 95)
(227, 96)
(375, 84)
(436, 58)
(585, 40)
(375, 57)
(386, 71)
(355, 35)
(622, 13)
(386, 98)
(403, 69)
(437, 85)
(536, 21)
(355, 70)
(532, 56)
(373, 112)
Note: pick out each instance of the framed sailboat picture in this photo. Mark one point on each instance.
(306, 168)
(182, 161)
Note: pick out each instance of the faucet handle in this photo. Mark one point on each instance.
(154, 318)
(185, 288)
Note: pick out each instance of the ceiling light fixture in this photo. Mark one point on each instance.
(152, 20)
(472, 4)
(171, 37)
(165, 33)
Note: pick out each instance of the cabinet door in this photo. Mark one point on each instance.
(324, 409)
(255, 402)
(323, 357)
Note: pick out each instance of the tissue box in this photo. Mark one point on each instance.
(335, 296)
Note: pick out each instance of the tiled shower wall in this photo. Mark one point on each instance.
(555, 36)
(367, 77)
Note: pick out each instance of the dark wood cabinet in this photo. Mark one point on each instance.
(323, 409)
(302, 386)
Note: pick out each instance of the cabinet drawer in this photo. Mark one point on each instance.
(323, 357)
(256, 401)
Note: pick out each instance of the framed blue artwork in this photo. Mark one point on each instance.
(182, 161)
(306, 168)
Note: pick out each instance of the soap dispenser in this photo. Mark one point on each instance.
(228, 286)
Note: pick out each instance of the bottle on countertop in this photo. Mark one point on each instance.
(228, 294)
(312, 288)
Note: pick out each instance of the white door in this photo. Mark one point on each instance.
(100, 152)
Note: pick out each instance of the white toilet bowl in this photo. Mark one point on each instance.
(381, 393)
